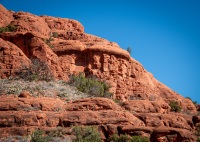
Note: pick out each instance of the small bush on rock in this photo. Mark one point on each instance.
(139, 139)
(86, 134)
(194, 102)
(129, 50)
(38, 136)
(90, 85)
(38, 70)
(175, 106)
(48, 42)
(121, 138)
(126, 138)
(58, 132)
(55, 34)
(198, 132)
(9, 28)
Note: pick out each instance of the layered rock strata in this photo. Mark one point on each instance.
(67, 49)
(22, 115)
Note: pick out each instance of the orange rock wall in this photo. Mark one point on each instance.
(74, 51)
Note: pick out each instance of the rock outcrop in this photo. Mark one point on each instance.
(22, 115)
(74, 51)
(64, 46)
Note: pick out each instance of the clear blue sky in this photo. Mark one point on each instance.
(164, 34)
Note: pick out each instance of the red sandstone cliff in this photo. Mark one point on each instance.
(74, 51)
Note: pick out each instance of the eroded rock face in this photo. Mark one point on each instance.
(5, 16)
(63, 24)
(11, 58)
(69, 50)
(22, 115)
(75, 51)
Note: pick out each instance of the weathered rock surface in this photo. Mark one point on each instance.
(75, 51)
(20, 116)
(5, 16)
(11, 58)
(64, 46)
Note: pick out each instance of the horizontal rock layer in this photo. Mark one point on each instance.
(21, 116)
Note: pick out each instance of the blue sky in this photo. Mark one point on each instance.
(164, 35)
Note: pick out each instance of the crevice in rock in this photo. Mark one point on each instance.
(104, 132)
(22, 41)
(119, 130)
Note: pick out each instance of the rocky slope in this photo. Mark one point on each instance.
(21, 115)
(64, 46)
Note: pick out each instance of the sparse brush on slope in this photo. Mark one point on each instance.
(126, 138)
(194, 102)
(41, 88)
(175, 106)
(38, 136)
(38, 70)
(90, 85)
(198, 132)
(9, 28)
(86, 134)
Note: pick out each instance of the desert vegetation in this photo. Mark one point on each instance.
(39, 136)
(38, 79)
(48, 41)
(55, 34)
(58, 88)
(198, 132)
(126, 138)
(38, 70)
(194, 102)
(86, 134)
(9, 28)
(90, 85)
(175, 106)
(129, 50)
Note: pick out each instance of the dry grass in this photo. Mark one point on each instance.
(28, 138)
(41, 88)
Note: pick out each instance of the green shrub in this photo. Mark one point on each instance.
(198, 130)
(58, 132)
(129, 50)
(38, 70)
(38, 136)
(2, 86)
(90, 85)
(9, 28)
(14, 89)
(175, 106)
(55, 34)
(86, 134)
(48, 42)
(139, 139)
(197, 133)
(126, 138)
(194, 102)
(117, 101)
(121, 138)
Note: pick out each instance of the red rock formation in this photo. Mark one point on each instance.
(20, 116)
(75, 51)
(5, 16)
(11, 58)
(70, 51)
